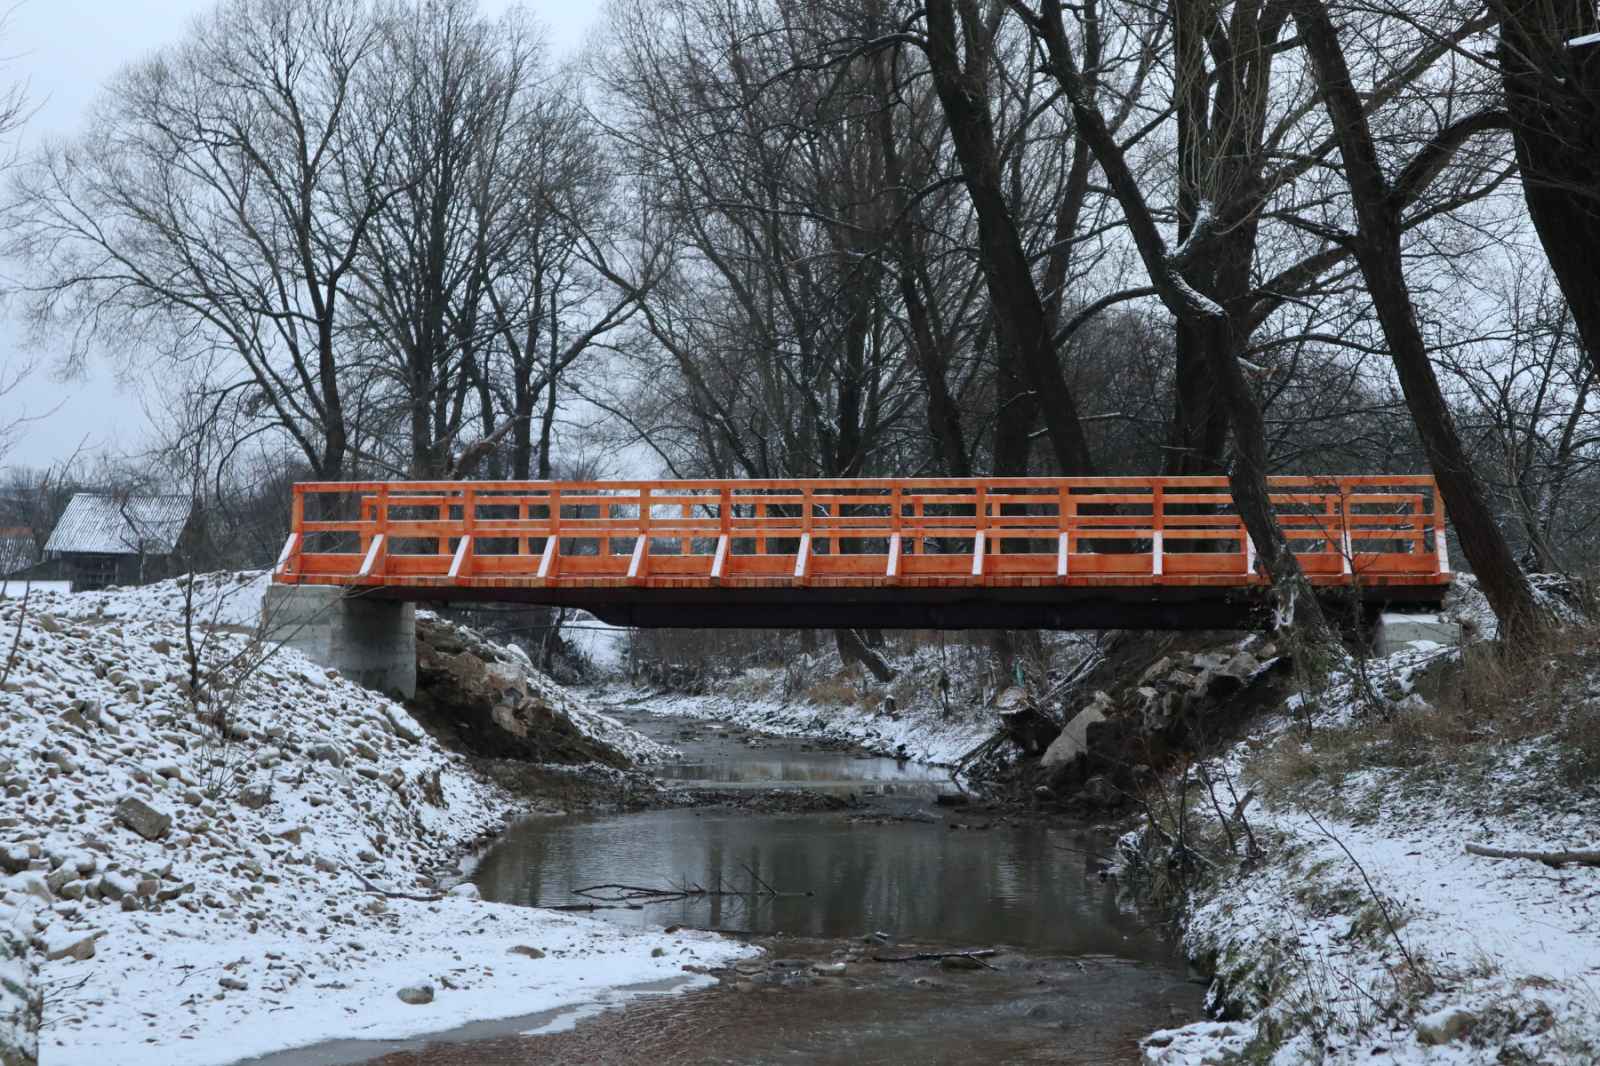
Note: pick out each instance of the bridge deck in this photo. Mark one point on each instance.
(1053, 552)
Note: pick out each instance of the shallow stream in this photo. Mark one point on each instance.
(1077, 976)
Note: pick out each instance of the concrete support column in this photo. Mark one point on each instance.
(370, 641)
(1396, 632)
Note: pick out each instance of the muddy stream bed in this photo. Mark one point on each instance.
(1077, 975)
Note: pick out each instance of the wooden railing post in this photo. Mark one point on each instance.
(802, 560)
(1441, 552)
(980, 526)
(377, 557)
(289, 557)
(549, 563)
(892, 569)
(1158, 524)
(461, 564)
(1346, 544)
(641, 543)
(1064, 523)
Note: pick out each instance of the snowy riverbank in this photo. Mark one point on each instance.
(1366, 931)
(921, 733)
(216, 871)
(940, 706)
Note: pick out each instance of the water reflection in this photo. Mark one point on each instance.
(1021, 885)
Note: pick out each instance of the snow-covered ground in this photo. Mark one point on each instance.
(1368, 933)
(206, 873)
(919, 733)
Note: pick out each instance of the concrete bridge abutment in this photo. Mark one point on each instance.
(1397, 631)
(372, 642)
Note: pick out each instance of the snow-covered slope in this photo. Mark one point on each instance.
(921, 734)
(1366, 932)
(206, 868)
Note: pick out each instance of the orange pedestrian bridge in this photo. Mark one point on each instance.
(939, 553)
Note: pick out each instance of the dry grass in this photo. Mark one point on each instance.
(838, 690)
(1490, 699)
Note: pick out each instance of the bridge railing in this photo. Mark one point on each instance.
(859, 531)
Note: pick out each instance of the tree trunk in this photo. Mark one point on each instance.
(1198, 433)
(852, 649)
(1299, 614)
(1377, 248)
(1553, 93)
(944, 416)
(1020, 320)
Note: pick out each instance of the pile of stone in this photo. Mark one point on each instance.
(1114, 740)
(489, 699)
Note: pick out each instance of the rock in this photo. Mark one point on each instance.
(65, 945)
(166, 895)
(72, 890)
(1241, 666)
(233, 984)
(255, 797)
(291, 833)
(31, 883)
(142, 818)
(62, 761)
(465, 890)
(403, 725)
(1156, 671)
(114, 885)
(1074, 739)
(1445, 1026)
(328, 753)
(523, 949)
(1011, 698)
(416, 995)
(1100, 792)
(58, 878)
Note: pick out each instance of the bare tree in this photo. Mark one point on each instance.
(1377, 203)
(217, 203)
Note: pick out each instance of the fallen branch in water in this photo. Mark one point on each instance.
(617, 893)
(1549, 858)
(935, 956)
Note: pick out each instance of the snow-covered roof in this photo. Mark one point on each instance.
(16, 549)
(120, 525)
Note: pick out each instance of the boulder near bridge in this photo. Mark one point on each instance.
(951, 553)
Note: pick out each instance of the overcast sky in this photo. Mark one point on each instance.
(66, 50)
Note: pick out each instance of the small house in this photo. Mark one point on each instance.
(114, 539)
(18, 551)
